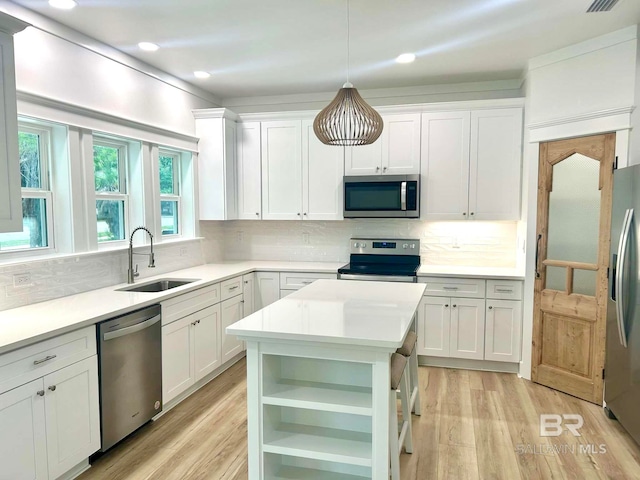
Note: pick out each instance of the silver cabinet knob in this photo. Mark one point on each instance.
(471, 213)
(454, 306)
(464, 214)
(298, 214)
(52, 388)
(257, 214)
(490, 307)
(377, 169)
(40, 393)
(446, 305)
(384, 169)
(305, 214)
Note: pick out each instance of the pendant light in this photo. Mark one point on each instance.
(348, 119)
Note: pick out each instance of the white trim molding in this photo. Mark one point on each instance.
(609, 120)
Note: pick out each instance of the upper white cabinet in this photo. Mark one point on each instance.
(10, 189)
(249, 180)
(471, 163)
(301, 177)
(396, 152)
(217, 172)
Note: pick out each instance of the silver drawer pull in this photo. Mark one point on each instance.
(307, 282)
(504, 290)
(234, 287)
(450, 288)
(45, 359)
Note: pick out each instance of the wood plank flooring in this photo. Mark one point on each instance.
(474, 425)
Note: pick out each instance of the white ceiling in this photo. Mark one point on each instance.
(274, 47)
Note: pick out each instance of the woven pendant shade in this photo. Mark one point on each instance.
(348, 120)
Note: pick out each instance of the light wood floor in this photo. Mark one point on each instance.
(474, 425)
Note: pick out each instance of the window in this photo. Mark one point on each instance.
(34, 153)
(169, 166)
(110, 174)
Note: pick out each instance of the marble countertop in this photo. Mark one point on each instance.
(471, 272)
(372, 314)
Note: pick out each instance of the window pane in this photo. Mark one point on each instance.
(166, 175)
(29, 151)
(34, 227)
(110, 215)
(106, 168)
(169, 212)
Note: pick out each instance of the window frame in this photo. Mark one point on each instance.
(177, 187)
(44, 192)
(122, 194)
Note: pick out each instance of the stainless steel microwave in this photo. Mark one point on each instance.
(382, 196)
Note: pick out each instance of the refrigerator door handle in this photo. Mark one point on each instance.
(622, 253)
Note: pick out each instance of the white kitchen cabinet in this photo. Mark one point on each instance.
(23, 440)
(249, 294)
(434, 324)
(72, 415)
(503, 335)
(190, 350)
(217, 171)
(471, 162)
(396, 152)
(10, 188)
(231, 312)
(249, 178)
(322, 177)
(467, 328)
(282, 170)
(267, 289)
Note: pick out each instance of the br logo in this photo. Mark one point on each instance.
(552, 425)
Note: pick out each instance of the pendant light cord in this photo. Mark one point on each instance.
(348, 41)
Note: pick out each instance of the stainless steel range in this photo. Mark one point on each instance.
(382, 260)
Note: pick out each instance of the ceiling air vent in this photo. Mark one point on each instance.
(601, 6)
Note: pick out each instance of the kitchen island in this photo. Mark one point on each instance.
(318, 379)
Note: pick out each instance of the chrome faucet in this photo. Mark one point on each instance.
(131, 273)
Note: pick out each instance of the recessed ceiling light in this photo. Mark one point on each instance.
(148, 46)
(63, 4)
(406, 58)
(201, 74)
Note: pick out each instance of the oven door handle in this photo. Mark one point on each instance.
(403, 196)
(378, 278)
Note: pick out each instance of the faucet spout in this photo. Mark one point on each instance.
(131, 273)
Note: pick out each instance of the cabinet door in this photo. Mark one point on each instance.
(72, 415)
(364, 159)
(282, 170)
(467, 328)
(401, 144)
(231, 312)
(10, 191)
(23, 441)
(178, 370)
(267, 289)
(206, 338)
(445, 166)
(495, 164)
(249, 293)
(502, 335)
(249, 181)
(434, 319)
(322, 172)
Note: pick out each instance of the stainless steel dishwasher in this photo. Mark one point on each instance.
(130, 369)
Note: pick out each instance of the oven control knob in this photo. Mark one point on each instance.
(356, 245)
(362, 245)
(406, 245)
(413, 245)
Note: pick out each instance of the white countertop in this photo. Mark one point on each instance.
(29, 324)
(471, 272)
(373, 314)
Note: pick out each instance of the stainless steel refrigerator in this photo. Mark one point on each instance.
(622, 368)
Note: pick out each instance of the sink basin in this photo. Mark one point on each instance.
(159, 285)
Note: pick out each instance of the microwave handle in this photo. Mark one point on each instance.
(403, 196)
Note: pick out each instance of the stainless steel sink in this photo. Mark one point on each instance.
(158, 285)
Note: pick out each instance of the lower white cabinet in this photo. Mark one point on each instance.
(267, 289)
(467, 328)
(248, 291)
(190, 350)
(434, 326)
(50, 424)
(231, 310)
(503, 335)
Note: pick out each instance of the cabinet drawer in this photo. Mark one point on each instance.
(190, 302)
(28, 363)
(231, 288)
(504, 289)
(295, 281)
(454, 287)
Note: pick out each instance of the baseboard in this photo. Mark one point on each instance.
(466, 364)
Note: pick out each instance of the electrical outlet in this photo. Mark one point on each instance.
(305, 238)
(240, 236)
(22, 280)
(184, 251)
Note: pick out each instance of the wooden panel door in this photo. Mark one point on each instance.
(282, 170)
(574, 219)
(72, 415)
(249, 182)
(206, 340)
(23, 441)
(502, 331)
(178, 370)
(322, 172)
(230, 312)
(467, 328)
(401, 144)
(495, 164)
(444, 192)
(434, 323)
